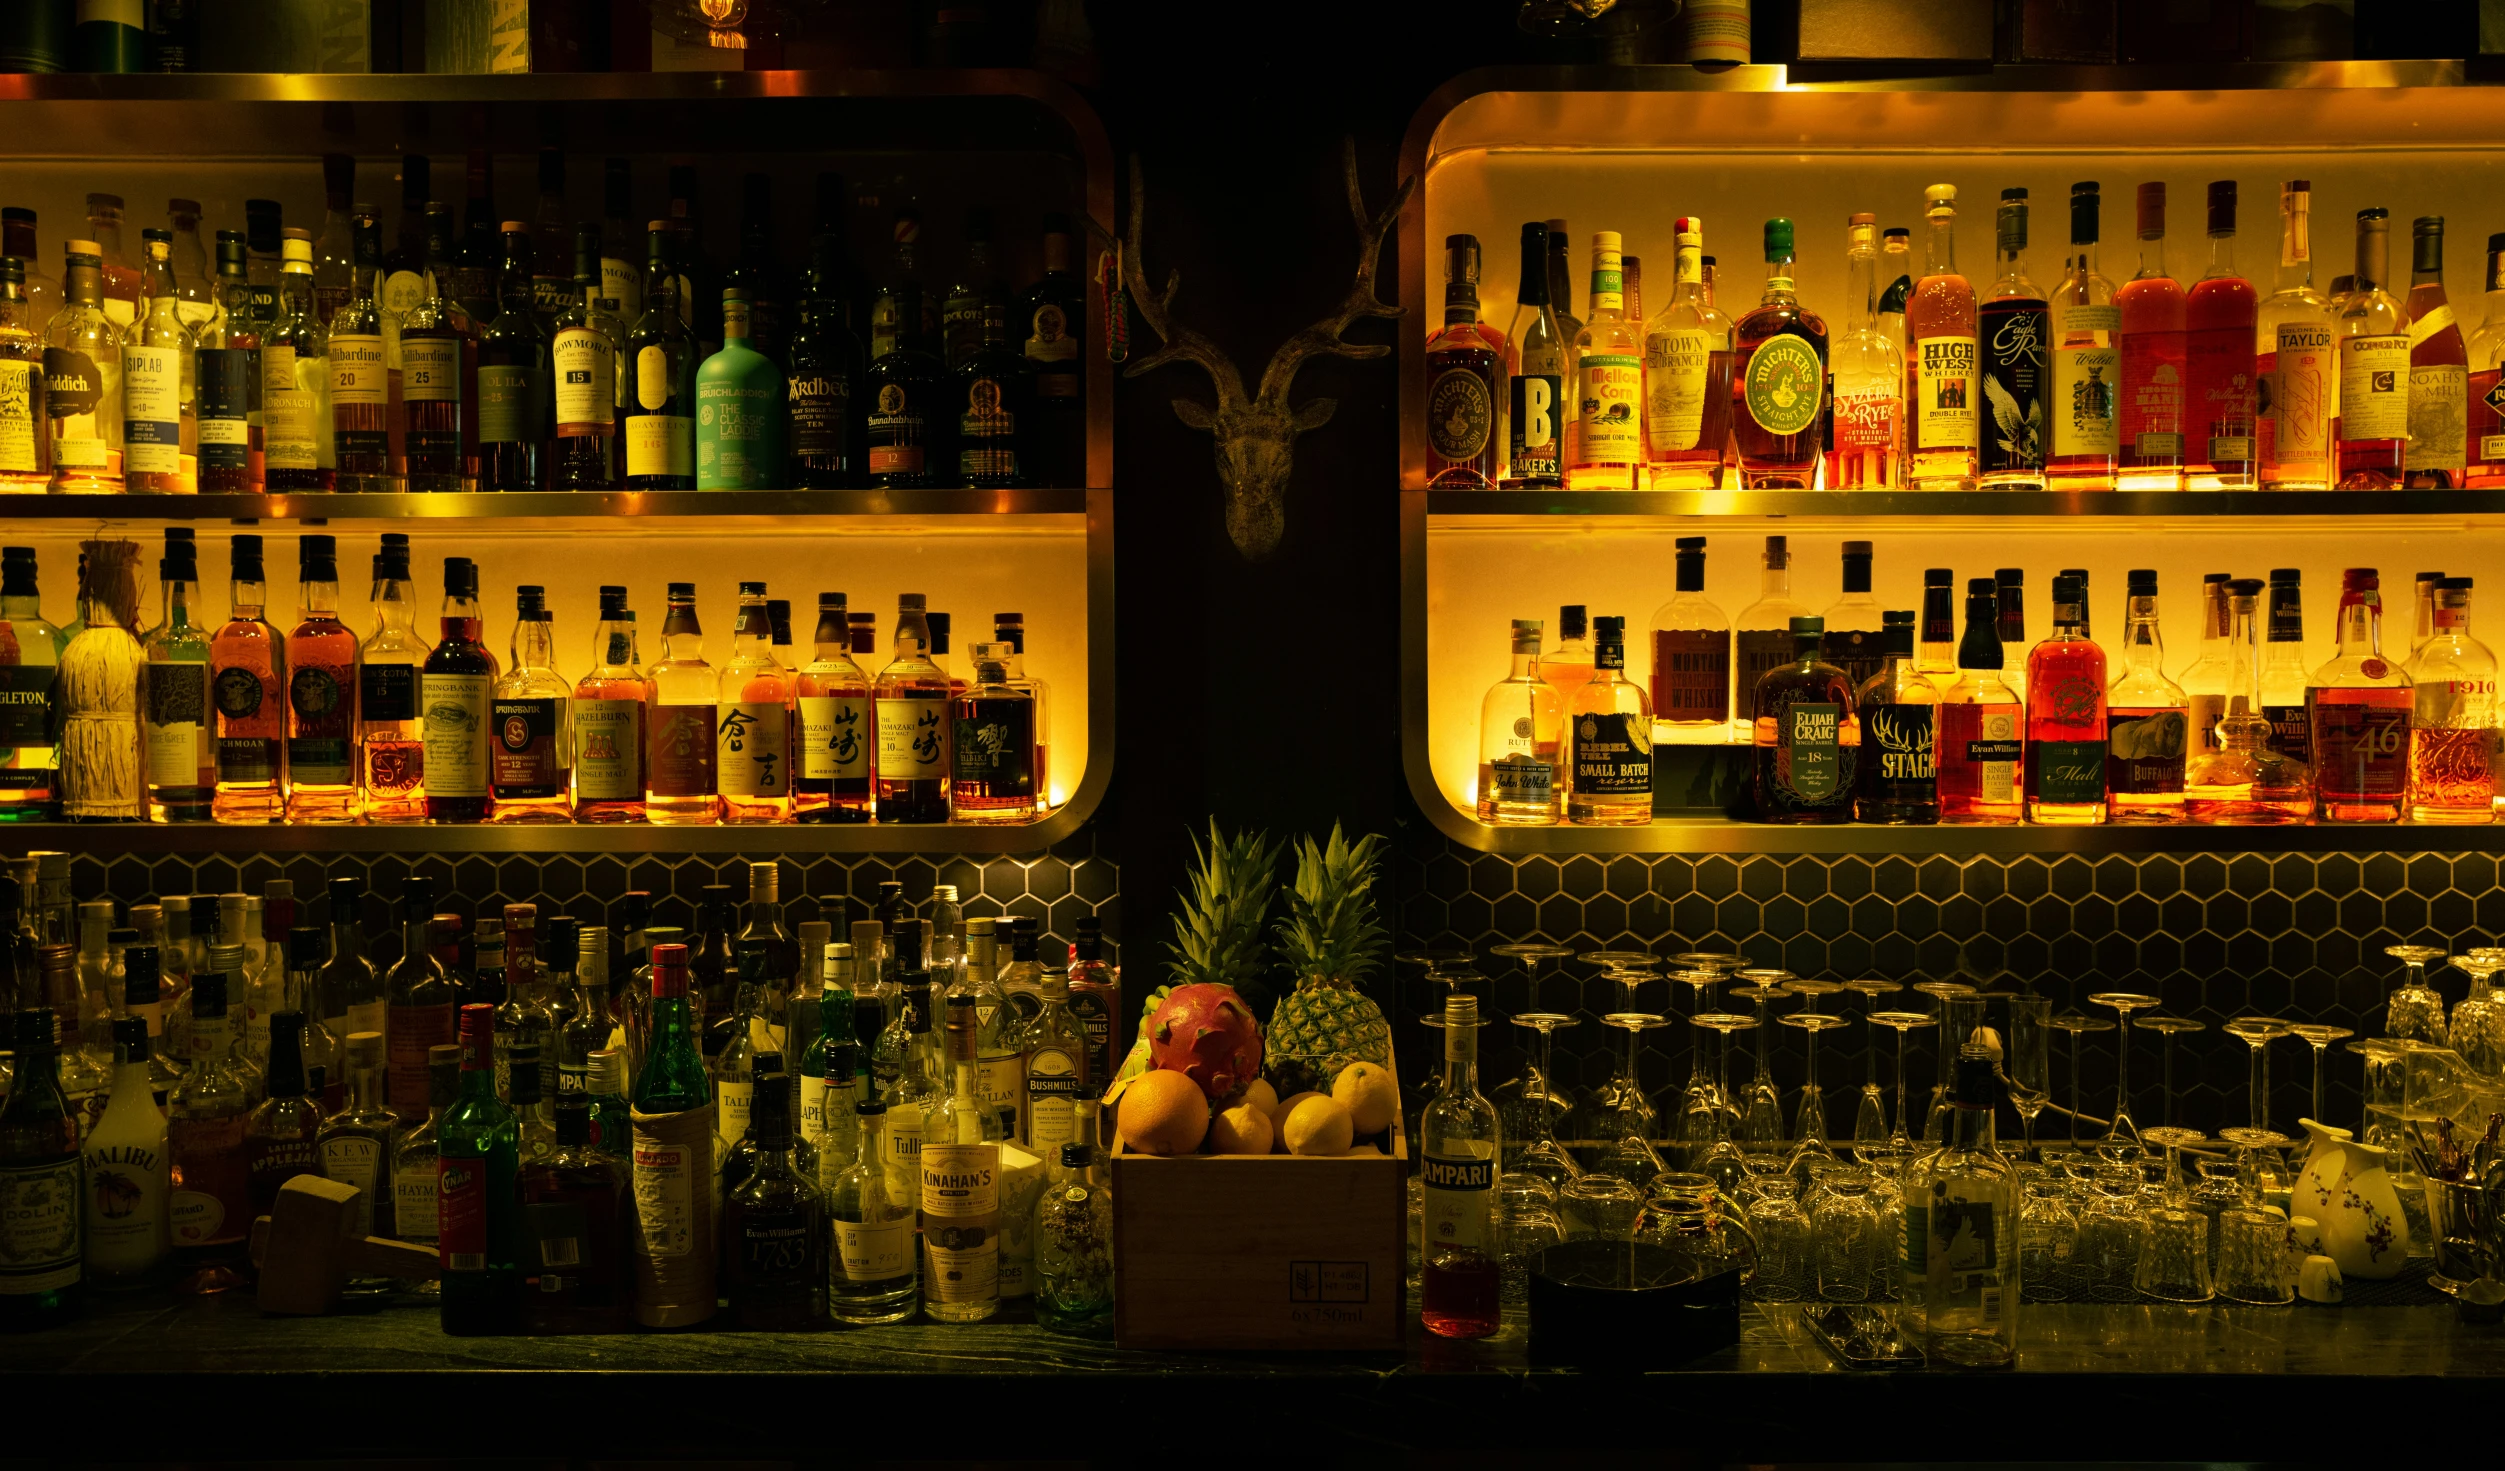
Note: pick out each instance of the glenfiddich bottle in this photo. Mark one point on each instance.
(1807, 735)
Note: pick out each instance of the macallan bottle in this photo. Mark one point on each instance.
(2150, 445)
(1942, 365)
(1779, 374)
(1687, 374)
(1980, 745)
(1895, 773)
(1608, 380)
(2066, 734)
(2147, 723)
(2293, 358)
(1691, 668)
(1807, 734)
(680, 774)
(2221, 379)
(2360, 706)
(2372, 429)
(248, 685)
(1869, 380)
(530, 746)
(2086, 363)
(753, 722)
(321, 693)
(2439, 375)
(1465, 381)
(608, 714)
(454, 692)
(391, 747)
(833, 782)
(2484, 440)
(912, 694)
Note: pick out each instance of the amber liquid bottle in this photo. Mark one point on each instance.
(321, 694)
(248, 685)
(453, 702)
(2439, 368)
(609, 705)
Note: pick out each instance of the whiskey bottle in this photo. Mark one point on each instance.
(1943, 358)
(1969, 1260)
(1568, 667)
(2015, 331)
(1095, 994)
(1609, 740)
(1869, 448)
(993, 778)
(455, 689)
(1896, 777)
(775, 1225)
(296, 425)
(159, 426)
(2372, 427)
(2484, 440)
(25, 426)
(321, 693)
(1779, 374)
(531, 754)
(1052, 316)
(2246, 778)
(351, 994)
(1073, 1238)
(264, 257)
(575, 1214)
(391, 752)
(826, 364)
(960, 1167)
(2010, 620)
(404, 266)
(82, 370)
(608, 717)
(2205, 680)
(682, 787)
(1519, 725)
(1691, 663)
(996, 424)
(1936, 634)
(248, 683)
(739, 408)
(182, 756)
(2066, 716)
(1534, 390)
(1980, 741)
(280, 1142)
(872, 1277)
(621, 249)
(334, 271)
(2086, 362)
(44, 1174)
(363, 406)
(1465, 381)
(552, 245)
(583, 378)
(2220, 362)
(355, 1143)
(1854, 622)
(2147, 718)
(513, 422)
(1608, 362)
(2293, 358)
(416, 1151)
(833, 694)
(30, 763)
(438, 363)
(753, 718)
(912, 441)
(207, 1112)
(479, 1228)
(124, 287)
(2151, 340)
(1460, 1141)
(912, 694)
(2452, 737)
(473, 281)
(1764, 637)
(2422, 606)
(1806, 733)
(2360, 708)
(659, 366)
(2439, 374)
(420, 1013)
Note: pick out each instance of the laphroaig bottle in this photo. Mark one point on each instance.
(1458, 1136)
(129, 1178)
(455, 690)
(478, 1166)
(43, 1187)
(673, 1158)
(82, 370)
(739, 409)
(1969, 1265)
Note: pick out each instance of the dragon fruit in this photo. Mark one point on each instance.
(1206, 1033)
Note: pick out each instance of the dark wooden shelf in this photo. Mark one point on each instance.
(1992, 505)
(544, 505)
(108, 839)
(1703, 834)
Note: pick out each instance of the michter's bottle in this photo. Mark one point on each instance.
(1779, 379)
(2015, 325)
(1807, 735)
(1459, 1137)
(739, 409)
(1895, 778)
(1464, 376)
(1535, 390)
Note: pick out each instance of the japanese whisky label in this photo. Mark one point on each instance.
(753, 749)
(994, 747)
(834, 738)
(682, 751)
(912, 739)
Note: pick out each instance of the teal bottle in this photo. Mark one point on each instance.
(827, 1073)
(739, 409)
(477, 1179)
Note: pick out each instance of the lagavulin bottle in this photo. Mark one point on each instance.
(2359, 706)
(2066, 716)
(2150, 445)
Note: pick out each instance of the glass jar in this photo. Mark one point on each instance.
(2048, 1234)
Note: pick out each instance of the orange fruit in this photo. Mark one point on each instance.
(1164, 1113)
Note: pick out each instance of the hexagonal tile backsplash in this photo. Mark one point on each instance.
(2298, 936)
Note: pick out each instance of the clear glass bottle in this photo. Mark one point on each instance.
(912, 694)
(208, 1111)
(2150, 449)
(992, 741)
(607, 716)
(419, 1017)
(2205, 679)
(900, 1062)
(1935, 656)
(391, 750)
(1980, 742)
(1687, 366)
(2066, 716)
(870, 1272)
(1855, 620)
(2360, 707)
(182, 756)
(297, 452)
(1519, 727)
(1942, 358)
(754, 719)
(416, 1153)
(2484, 439)
(248, 682)
(1969, 1263)
(1535, 404)
(159, 427)
(1869, 448)
(531, 756)
(2221, 379)
(1459, 1145)
(534, 1117)
(1609, 740)
(1074, 1237)
(2147, 720)
(1806, 733)
(2452, 777)
(438, 360)
(1895, 774)
(961, 1190)
(1691, 659)
(1778, 379)
(2293, 357)
(83, 379)
(2439, 371)
(2087, 362)
(2246, 777)
(1567, 667)
(833, 695)
(774, 1225)
(1608, 381)
(2371, 430)
(280, 1140)
(680, 722)
(2015, 334)
(1763, 640)
(25, 425)
(355, 1143)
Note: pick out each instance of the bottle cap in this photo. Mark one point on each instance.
(2222, 207)
(2142, 582)
(2152, 211)
(1778, 240)
(307, 947)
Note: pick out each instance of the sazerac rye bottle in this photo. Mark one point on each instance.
(1779, 379)
(1869, 379)
(1980, 743)
(608, 715)
(1609, 740)
(1895, 778)
(1808, 735)
(1460, 1142)
(1519, 726)
(2066, 734)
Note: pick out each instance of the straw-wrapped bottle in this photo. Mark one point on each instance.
(102, 776)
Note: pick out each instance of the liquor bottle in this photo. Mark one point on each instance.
(479, 1208)
(1778, 382)
(583, 378)
(332, 249)
(124, 288)
(1061, 1078)
(1053, 316)
(1561, 281)
(774, 1224)
(612, 1133)
(30, 660)
(296, 424)
(1460, 1141)
(551, 238)
(25, 424)
(351, 992)
(530, 754)
(756, 273)
(2221, 372)
(1022, 978)
(82, 369)
(2245, 778)
(1896, 777)
(158, 423)
(1764, 637)
(511, 979)
(1608, 449)
(2147, 719)
(42, 1278)
(901, 1066)
(739, 409)
(404, 267)
(192, 286)
(621, 250)
(535, 1130)
(280, 1140)
(322, 678)
(1806, 733)
(912, 439)
(2205, 680)
(2422, 605)
(1519, 724)
(574, 1219)
(911, 697)
(18, 238)
(831, 1064)
(359, 343)
(2371, 427)
(182, 756)
(2066, 716)
(513, 401)
(659, 364)
(1465, 382)
(2151, 341)
(608, 717)
(1568, 667)
(1942, 354)
(391, 751)
(753, 719)
(960, 1166)
(248, 683)
(1074, 1238)
(961, 311)
(420, 1015)
(826, 364)
(1970, 1254)
(455, 694)
(2293, 358)
(473, 281)
(1535, 378)
(1869, 423)
(1935, 657)
(1687, 375)
(681, 719)
(2484, 440)
(2452, 737)
(1691, 666)
(416, 1151)
(872, 1277)
(127, 1165)
(2439, 374)
(2359, 707)
(1609, 739)
(438, 360)
(207, 1111)
(833, 693)
(2015, 338)
(1980, 740)
(301, 951)
(674, 1132)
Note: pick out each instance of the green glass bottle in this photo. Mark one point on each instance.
(477, 1176)
(828, 1070)
(42, 1186)
(739, 409)
(674, 1177)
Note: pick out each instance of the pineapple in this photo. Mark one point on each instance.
(1331, 941)
(1218, 936)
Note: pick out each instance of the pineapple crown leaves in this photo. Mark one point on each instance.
(1330, 932)
(1218, 933)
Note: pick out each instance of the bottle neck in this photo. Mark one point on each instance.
(365, 1089)
(2143, 651)
(534, 643)
(2243, 667)
(393, 607)
(1972, 1129)
(1861, 291)
(2427, 262)
(2221, 257)
(613, 644)
(318, 600)
(1779, 280)
(2361, 624)
(460, 616)
(2153, 257)
(681, 636)
(178, 595)
(245, 599)
(1940, 249)
(1981, 647)
(2296, 249)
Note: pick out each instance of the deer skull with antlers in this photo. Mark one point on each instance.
(1256, 433)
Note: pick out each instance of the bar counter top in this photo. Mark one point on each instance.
(2139, 1382)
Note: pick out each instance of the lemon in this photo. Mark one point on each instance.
(1242, 1129)
(1371, 1095)
(1319, 1126)
(1264, 1097)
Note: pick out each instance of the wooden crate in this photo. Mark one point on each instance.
(1261, 1251)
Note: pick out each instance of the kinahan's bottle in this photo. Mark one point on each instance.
(960, 1162)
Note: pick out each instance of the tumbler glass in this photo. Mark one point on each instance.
(2252, 1258)
(1852, 1242)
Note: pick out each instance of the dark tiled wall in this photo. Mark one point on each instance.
(2295, 936)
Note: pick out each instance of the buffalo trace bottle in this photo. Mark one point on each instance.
(739, 408)
(1869, 379)
(2066, 734)
(1980, 742)
(42, 1181)
(2147, 719)
(2086, 363)
(826, 364)
(321, 693)
(673, 1159)
(361, 380)
(530, 746)
(1807, 735)
(2452, 777)
(2439, 374)
(1465, 381)
(608, 717)
(1460, 1140)
(833, 693)
(1535, 384)
(391, 749)
(1942, 357)
(454, 694)
(1691, 672)
(1609, 740)
(1608, 444)
(2359, 705)
(583, 378)
(248, 684)
(1778, 382)
(478, 1169)
(1896, 778)
(2372, 330)
(2221, 383)
(2015, 327)
(2293, 360)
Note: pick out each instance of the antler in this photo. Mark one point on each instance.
(1324, 336)
(1181, 345)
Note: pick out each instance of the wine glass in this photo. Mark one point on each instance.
(1760, 1104)
(1899, 1142)
(1626, 1141)
(1711, 1151)
(2416, 1010)
(1809, 1121)
(1945, 1053)
(2027, 1062)
(1700, 1093)
(1528, 954)
(2078, 1024)
(2168, 1134)
(2477, 1028)
(1870, 1117)
(1528, 1118)
(2320, 1037)
(2257, 1033)
(2123, 1003)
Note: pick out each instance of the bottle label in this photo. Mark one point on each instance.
(1049, 339)
(912, 739)
(386, 692)
(1052, 1092)
(622, 282)
(26, 710)
(1759, 650)
(1692, 674)
(1674, 364)
(1897, 751)
(2084, 379)
(834, 743)
(177, 724)
(775, 1246)
(1859, 652)
(1809, 766)
(455, 733)
(880, 1252)
(194, 1217)
(508, 404)
(1610, 419)
(1533, 426)
(995, 747)
(1522, 781)
(666, 1194)
(227, 384)
(2374, 388)
(2013, 392)
(738, 443)
(21, 410)
(318, 751)
(359, 375)
(584, 364)
(430, 369)
(2144, 751)
(1944, 388)
(74, 384)
(1613, 755)
(753, 749)
(2439, 407)
(413, 1030)
(897, 433)
(2206, 712)
(682, 751)
(1460, 417)
(2360, 750)
(2067, 773)
(41, 1225)
(415, 1215)
(2152, 363)
(660, 444)
(609, 750)
(1994, 752)
(1786, 384)
(900, 1149)
(527, 756)
(821, 413)
(401, 292)
(287, 411)
(812, 1108)
(2294, 413)
(125, 1205)
(2291, 732)
(961, 1221)
(246, 758)
(355, 1159)
(461, 1225)
(152, 410)
(1000, 1087)
(733, 1103)
(1866, 430)
(1960, 1253)
(1460, 1189)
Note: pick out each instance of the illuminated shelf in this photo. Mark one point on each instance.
(152, 838)
(1722, 835)
(1978, 504)
(543, 505)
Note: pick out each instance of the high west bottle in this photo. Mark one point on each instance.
(1979, 745)
(2246, 778)
(2066, 734)
(2438, 367)
(530, 748)
(1807, 735)
(2359, 706)
(454, 692)
(2147, 719)
(2293, 358)
(1535, 386)
(1896, 776)
(608, 716)
(1778, 379)
(1465, 381)
(1460, 1139)
(1869, 381)
(2086, 363)
(2221, 383)
(1691, 663)
(583, 379)
(2372, 331)
(1942, 355)
(2151, 339)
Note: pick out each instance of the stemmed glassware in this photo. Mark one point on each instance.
(1627, 1147)
(2027, 1062)
(2169, 1135)
(2078, 1024)
(1713, 1153)
(1628, 970)
(2477, 1028)
(2320, 1036)
(1870, 1118)
(2416, 1012)
(1529, 1117)
(2258, 1032)
(1760, 1103)
(1529, 954)
(1809, 1121)
(2123, 1130)
(1943, 1055)
(1899, 1144)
